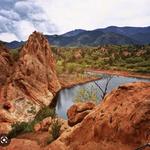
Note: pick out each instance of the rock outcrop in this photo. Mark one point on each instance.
(78, 111)
(33, 81)
(5, 67)
(121, 121)
(34, 76)
(5, 64)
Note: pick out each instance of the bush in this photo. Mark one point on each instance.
(20, 128)
(15, 54)
(25, 127)
(85, 95)
(143, 70)
(56, 129)
(134, 60)
(44, 113)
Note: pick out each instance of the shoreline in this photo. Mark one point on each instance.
(73, 83)
(69, 81)
(119, 73)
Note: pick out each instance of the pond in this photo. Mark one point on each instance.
(67, 97)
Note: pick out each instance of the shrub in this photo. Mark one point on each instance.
(71, 67)
(56, 129)
(85, 95)
(20, 128)
(15, 54)
(134, 60)
(25, 127)
(44, 113)
(143, 70)
(60, 69)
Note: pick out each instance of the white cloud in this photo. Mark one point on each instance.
(8, 37)
(24, 29)
(90, 14)
(21, 17)
(9, 14)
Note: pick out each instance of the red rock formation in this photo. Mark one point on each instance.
(77, 112)
(5, 67)
(5, 64)
(33, 82)
(34, 76)
(121, 121)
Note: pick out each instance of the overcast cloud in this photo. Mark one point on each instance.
(19, 18)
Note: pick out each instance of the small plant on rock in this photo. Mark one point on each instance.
(25, 127)
(20, 128)
(44, 113)
(55, 129)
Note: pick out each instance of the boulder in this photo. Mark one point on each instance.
(7, 105)
(77, 112)
(37, 127)
(43, 125)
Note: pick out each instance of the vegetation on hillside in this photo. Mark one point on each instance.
(132, 58)
(25, 127)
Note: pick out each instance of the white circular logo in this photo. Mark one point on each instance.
(4, 140)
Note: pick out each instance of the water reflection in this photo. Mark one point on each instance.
(67, 97)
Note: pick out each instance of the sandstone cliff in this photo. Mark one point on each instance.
(33, 81)
(5, 64)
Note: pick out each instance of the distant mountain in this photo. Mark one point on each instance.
(73, 33)
(14, 44)
(110, 35)
(128, 31)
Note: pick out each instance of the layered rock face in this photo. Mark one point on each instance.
(34, 76)
(5, 64)
(33, 82)
(121, 121)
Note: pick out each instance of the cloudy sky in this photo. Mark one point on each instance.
(19, 18)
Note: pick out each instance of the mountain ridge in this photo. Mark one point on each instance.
(111, 35)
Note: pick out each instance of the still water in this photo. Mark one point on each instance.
(67, 97)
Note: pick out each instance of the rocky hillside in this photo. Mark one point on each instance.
(121, 121)
(32, 83)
